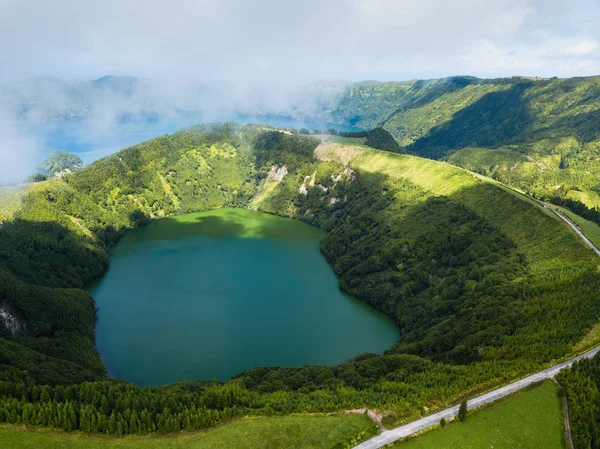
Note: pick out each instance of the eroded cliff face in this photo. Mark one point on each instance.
(10, 323)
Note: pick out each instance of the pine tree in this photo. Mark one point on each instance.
(462, 411)
(45, 394)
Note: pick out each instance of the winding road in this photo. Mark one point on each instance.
(573, 226)
(389, 436)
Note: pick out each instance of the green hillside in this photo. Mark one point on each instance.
(483, 285)
(539, 135)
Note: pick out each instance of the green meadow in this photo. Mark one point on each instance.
(298, 432)
(531, 419)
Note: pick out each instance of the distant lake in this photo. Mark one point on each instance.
(91, 140)
(208, 295)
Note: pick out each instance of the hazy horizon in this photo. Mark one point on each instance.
(351, 40)
(264, 56)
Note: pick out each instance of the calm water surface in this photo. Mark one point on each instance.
(210, 294)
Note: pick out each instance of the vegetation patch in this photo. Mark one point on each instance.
(61, 162)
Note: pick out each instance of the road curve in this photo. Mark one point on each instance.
(392, 435)
(389, 436)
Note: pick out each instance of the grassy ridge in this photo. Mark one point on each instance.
(589, 228)
(515, 218)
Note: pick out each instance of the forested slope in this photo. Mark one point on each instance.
(539, 135)
(484, 286)
(582, 387)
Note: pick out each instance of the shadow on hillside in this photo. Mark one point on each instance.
(584, 127)
(495, 119)
(423, 92)
(503, 118)
(48, 253)
(431, 264)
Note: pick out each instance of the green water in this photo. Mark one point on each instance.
(210, 294)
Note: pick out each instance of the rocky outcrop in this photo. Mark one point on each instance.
(10, 324)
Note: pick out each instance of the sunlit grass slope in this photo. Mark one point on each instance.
(589, 228)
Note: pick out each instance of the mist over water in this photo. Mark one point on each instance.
(96, 118)
(80, 137)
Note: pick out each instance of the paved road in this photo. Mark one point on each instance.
(575, 228)
(390, 436)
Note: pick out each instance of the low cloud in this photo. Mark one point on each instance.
(582, 48)
(19, 152)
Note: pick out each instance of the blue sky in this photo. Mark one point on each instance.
(249, 40)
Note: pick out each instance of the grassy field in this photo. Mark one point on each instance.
(531, 419)
(298, 432)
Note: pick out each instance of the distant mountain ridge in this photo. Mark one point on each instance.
(541, 135)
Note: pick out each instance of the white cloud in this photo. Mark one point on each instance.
(268, 48)
(242, 40)
(19, 152)
(582, 48)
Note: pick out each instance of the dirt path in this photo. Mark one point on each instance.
(374, 414)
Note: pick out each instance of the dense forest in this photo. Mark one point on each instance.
(582, 387)
(483, 286)
(540, 135)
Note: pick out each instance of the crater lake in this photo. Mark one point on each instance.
(208, 295)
